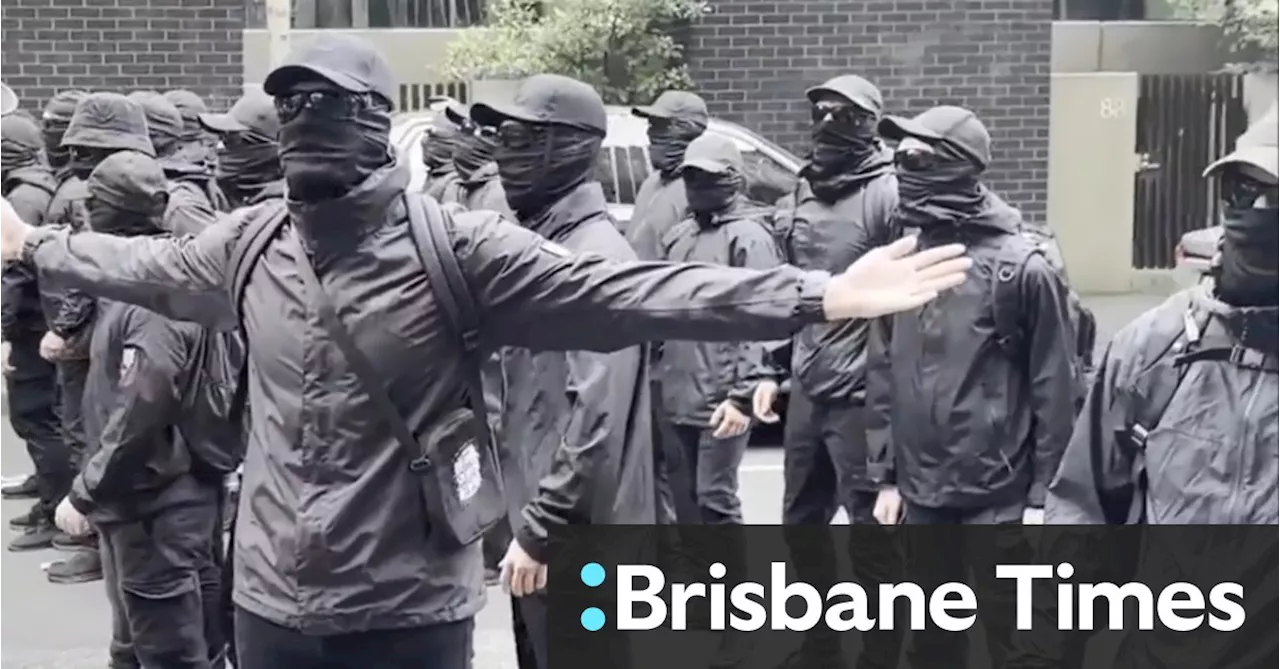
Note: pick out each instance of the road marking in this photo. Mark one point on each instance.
(12, 480)
(760, 468)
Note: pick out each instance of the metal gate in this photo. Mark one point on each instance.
(1185, 121)
(417, 97)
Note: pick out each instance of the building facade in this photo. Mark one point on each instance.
(754, 60)
(122, 45)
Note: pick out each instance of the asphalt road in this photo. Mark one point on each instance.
(46, 626)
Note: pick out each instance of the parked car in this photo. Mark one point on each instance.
(624, 162)
(1195, 252)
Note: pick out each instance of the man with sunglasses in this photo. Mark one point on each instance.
(1180, 428)
(248, 158)
(967, 427)
(478, 183)
(438, 145)
(194, 195)
(31, 380)
(675, 119)
(841, 209)
(337, 562)
(197, 144)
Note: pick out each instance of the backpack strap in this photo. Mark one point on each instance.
(244, 257)
(1006, 296)
(1185, 347)
(449, 284)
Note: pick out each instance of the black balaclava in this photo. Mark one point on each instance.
(937, 185)
(84, 160)
(547, 163)
(1247, 274)
(439, 145)
(668, 140)
(331, 140)
(109, 219)
(710, 194)
(247, 163)
(57, 116)
(472, 152)
(20, 144)
(843, 141)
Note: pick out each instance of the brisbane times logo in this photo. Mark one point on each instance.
(644, 599)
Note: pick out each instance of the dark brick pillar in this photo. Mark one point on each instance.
(123, 45)
(753, 61)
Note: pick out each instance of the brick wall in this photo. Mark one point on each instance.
(753, 60)
(122, 45)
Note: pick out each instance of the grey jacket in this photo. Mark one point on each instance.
(331, 534)
(828, 360)
(697, 376)
(580, 417)
(660, 205)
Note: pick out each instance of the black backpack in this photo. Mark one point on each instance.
(212, 426)
(1014, 254)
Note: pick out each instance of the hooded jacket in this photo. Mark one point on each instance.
(30, 190)
(331, 537)
(828, 360)
(697, 376)
(571, 418)
(661, 204)
(955, 418)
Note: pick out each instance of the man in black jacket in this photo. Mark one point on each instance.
(140, 488)
(31, 378)
(248, 159)
(438, 142)
(972, 397)
(337, 561)
(194, 196)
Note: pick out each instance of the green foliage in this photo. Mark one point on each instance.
(1249, 26)
(624, 48)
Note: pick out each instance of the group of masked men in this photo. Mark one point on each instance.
(615, 392)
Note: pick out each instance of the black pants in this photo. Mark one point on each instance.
(164, 586)
(262, 644)
(709, 480)
(32, 387)
(667, 463)
(529, 625)
(950, 553)
(495, 544)
(824, 460)
(72, 375)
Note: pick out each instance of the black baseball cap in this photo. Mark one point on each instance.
(8, 100)
(348, 62)
(681, 105)
(858, 91)
(255, 112)
(713, 153)
(550, 99)
(955, 126)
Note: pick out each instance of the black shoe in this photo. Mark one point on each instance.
(24, 490)
(80, 567)
(28, 519)
(65, 542)
(34, 538)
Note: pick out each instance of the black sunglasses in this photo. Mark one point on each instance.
(325, 104)
(518, 135)
(915, 160)
(842, 114)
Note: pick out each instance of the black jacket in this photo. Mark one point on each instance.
(660, 205)
(828, 360)
(69, 313)
(331, 536)
(697, 376)
(957, 419)
(29, 190)
(140, 361)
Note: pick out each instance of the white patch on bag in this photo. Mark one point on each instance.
(466, 472)
(128, 363)
(556, 250)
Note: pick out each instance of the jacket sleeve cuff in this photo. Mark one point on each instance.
(881, 474)
(35, 238)
(1035, 496)
(79, 500)
(813, 292)
(532, 544)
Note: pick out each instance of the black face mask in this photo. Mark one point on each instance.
(14, 156)
(108, 220)
(438, 147)
(84, 160)
(473, 152)
(938, 188)
(247, 163)
(57, 155)
(539, 164)
(1247, 276)
(668, 140)
(710, 194)
(843, 138)
(331, 141)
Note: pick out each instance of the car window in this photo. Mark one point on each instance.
(621, 170)
(767, 180)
